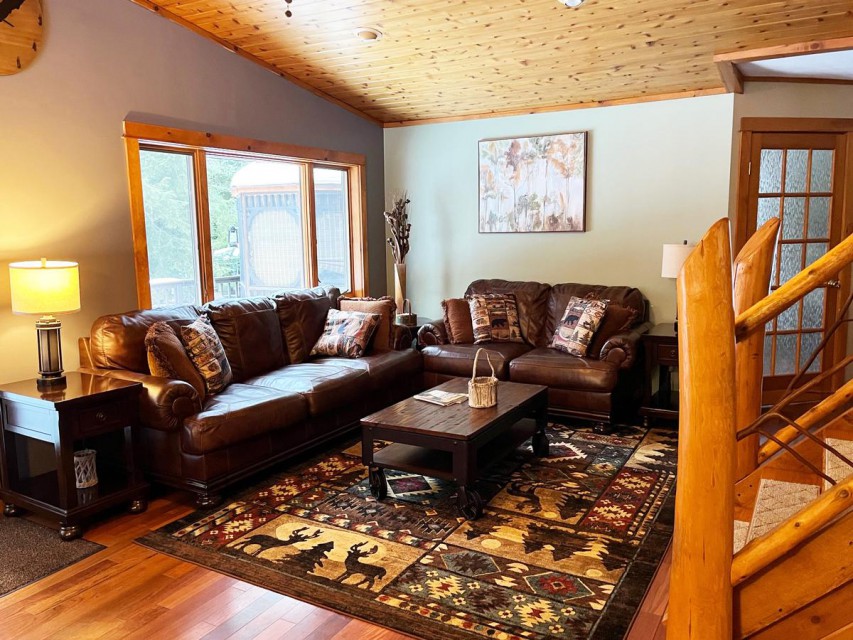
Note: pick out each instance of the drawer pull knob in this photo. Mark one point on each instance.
(101, 416)
(673, 353)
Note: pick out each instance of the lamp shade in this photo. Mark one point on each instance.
(44, 287)
(674, 256)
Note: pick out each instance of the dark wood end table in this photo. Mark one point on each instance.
(660, 349)
(90, 411)
(457, 442)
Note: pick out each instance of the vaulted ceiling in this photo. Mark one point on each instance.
(467, 58)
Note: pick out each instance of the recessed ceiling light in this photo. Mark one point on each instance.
(368, 34)
(572, 4)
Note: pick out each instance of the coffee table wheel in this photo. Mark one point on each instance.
(11, 510)
(540, 444)
(378, 486)
(470, 503)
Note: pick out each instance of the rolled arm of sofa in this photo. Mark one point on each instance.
(163, 403)
(623, 348)
(433, 333)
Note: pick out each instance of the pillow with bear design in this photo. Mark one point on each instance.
(577, 327)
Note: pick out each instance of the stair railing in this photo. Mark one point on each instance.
(720, 371)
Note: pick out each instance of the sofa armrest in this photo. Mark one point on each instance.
(433, 333)
(623, 348)
(163, 403)
(402, 337)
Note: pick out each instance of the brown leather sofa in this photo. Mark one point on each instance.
(603, 387)
(281, 401)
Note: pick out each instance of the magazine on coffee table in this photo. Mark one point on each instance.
(441, 398)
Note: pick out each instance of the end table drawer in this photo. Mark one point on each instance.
(30, 421)
(105, 416)
(667, 355)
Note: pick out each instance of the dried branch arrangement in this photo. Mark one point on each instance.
(398, 222)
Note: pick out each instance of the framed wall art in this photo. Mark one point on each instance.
(534, 184)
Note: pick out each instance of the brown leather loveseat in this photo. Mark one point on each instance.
(282, 400)
(603, 387)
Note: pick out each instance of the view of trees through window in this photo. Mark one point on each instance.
(259, 234)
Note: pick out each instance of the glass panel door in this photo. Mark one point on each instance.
(794, 178)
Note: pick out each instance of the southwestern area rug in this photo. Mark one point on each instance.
(566, 547)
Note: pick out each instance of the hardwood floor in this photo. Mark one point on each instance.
(129, 592)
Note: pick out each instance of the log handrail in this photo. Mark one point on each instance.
(766, 549)
(700, 594)
(830, 406)
(752, 269)
(810, 278)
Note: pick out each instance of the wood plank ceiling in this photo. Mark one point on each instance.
(467, 58)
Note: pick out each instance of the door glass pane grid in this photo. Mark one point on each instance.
(793, 180)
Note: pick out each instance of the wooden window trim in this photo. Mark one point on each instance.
(138, 135)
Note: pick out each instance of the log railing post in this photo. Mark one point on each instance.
(700, 594)
(752, 269)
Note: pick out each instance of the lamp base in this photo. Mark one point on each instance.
(44, 383)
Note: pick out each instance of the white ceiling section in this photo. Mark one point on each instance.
(829, 65)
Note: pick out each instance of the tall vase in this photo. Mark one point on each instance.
(399, 285)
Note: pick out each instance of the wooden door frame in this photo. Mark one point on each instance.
(844, 126)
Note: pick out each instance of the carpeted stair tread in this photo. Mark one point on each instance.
(834, 467)
(741, 531)
(776, 502)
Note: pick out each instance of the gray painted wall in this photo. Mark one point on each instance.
(63, 180)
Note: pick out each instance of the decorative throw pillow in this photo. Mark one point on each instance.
(383, 337)
(457, 321)
(494, 318)
(577, 326)
(346, 334)
(616, 320)
(167, 357)
(205, 350)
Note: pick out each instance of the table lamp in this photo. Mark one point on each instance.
(674, 256)
(45, 288)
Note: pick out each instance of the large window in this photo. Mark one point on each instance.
(216, 217)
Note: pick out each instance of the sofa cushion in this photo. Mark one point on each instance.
(560, 370)
(494, 318)
(207, 355)
(576, 328)
(458, 359)
(302, 317)
(347, 334)
(325, 385)
(385, 369)
(617, 319)
(457, 321)
(560, 295)
(167, 357)
(250, 333)
(385, 307)
(240, 413)
(532, 301)
(118, 340)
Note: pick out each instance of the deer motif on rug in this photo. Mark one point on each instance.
(265, 542)
(370, 573)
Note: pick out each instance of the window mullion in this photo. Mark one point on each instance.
(309, 226)
(202, 209)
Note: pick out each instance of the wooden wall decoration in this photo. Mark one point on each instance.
(21, 31)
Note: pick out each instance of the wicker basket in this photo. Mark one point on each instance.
(482, 390)
(85, 472)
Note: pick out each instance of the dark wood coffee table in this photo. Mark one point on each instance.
(457, 442)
